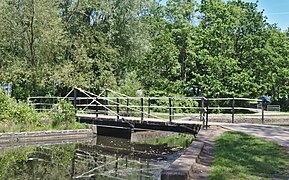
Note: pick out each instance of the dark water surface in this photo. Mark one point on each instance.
(97, 158)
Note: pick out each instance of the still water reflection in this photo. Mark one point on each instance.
(97, 158)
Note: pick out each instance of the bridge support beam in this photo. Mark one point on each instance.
(119, 132)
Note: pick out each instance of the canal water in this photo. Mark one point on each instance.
(96, 158)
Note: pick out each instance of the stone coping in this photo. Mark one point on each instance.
(182, 168)
(44, 135)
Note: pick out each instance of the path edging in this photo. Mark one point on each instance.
(44, 135)
(182, 168)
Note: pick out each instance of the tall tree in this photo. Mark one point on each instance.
(31, 36)
(232, 35)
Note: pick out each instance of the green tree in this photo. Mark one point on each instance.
(31, 41)
(232, 38)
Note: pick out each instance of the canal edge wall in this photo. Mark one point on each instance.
(13, 137)
(182, 168)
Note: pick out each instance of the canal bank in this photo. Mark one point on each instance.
(97, 157)
(136, 147)
(18, 137)
(196, 160)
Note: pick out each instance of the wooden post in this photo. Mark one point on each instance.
(170, 110)
(263, 108)
(117, 109)
(233, 110)
(149, 107)
(106, 102)
(141, 104)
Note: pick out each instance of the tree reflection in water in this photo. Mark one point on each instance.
(100, 158)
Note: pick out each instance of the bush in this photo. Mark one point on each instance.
(12, 112)
(63, 114)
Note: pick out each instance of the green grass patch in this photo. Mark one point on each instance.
(241, 156)
(175, 140)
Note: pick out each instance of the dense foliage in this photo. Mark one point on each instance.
(18, 116)
(224, 48)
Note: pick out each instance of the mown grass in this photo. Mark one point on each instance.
(240, 156)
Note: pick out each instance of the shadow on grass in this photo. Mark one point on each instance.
(240, 156)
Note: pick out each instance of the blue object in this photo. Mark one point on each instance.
(265, 99)
(7, 88)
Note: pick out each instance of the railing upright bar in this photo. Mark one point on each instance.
(170, 110)
(127, 105)
(263, 109)
(142, 113)
(202, 118)
(149, 108)
(207, 113)
(96, 107)
(106, 101)
(117, 109)
(74, 99)
(233, 110)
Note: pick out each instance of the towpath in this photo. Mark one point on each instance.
(278, 134)
(273, 133)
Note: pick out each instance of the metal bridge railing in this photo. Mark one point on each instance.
(169, 109)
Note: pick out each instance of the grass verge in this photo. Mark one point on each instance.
(241, 156)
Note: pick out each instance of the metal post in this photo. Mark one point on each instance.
(127, 104)
(170, 111)
(202, 110)
(106, 101)
(117, 109)
(149, 107)
(74, 98)
(141, 104)
(207, 114)
(233, 110)
(96, 107)
(40, 105)
(263, 108)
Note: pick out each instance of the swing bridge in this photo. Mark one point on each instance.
(115, 111)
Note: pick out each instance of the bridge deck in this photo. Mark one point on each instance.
(183, 126)
(184, 121)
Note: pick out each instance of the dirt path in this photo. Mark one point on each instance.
(202, 169)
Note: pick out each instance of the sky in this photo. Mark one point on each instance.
(277, 11)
